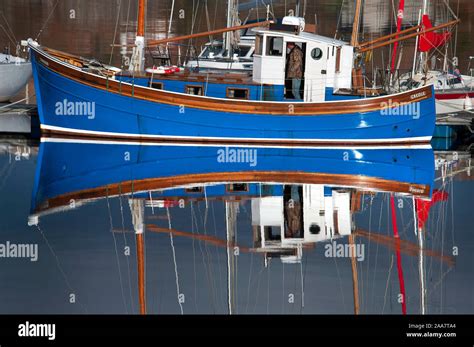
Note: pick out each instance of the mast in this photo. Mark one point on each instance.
(137, 209)
(357, 79)
(423, 56)
(231, 225)
(421, 269)
(356, 25)
(355, 280)
(400, 14)
(228, 35)
(399, 256)
(137, 62)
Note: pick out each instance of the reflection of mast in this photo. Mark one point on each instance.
(355, 205)
(399, 257)
(231, 210)
(421, 269)
(137, 210)
(355, 282)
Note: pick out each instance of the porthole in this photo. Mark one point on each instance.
(316, 53)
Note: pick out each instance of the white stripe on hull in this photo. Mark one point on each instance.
(271, 142)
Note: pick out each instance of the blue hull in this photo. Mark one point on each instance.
(66, 168)
(119, 115)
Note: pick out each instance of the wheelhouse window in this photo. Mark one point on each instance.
(242, 51)
(211, 50)
(258, 44)
(237, 187)
(157, 85)
(194, 90)
(274, 46)
(238, 93)
(453, 81)
(194, 190)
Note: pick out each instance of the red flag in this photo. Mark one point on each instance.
(431, 40)
(423, 207)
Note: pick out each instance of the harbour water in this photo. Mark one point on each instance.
(203, 247)
(127, 228)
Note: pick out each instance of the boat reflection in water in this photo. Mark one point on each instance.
(296, 198)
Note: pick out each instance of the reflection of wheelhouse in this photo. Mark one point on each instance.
(302, 215)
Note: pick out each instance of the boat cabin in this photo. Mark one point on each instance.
(327, 63)
(304, 214)
(326, 68)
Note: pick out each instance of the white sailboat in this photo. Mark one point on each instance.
(454, 91)
(234, 52)
(15, 72)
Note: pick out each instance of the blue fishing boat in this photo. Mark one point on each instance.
(82, 97)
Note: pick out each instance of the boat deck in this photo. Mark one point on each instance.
(190, 76)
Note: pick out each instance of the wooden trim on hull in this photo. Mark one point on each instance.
(49, 133)
(227, 105)
(294, 177)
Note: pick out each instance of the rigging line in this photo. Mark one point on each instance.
(126, 245)
(340, 284)
(8, 35)
(209, 258)
(194, 266)
(17, 102)
(9, 27)
(203, 257)
(437, 283)
(47, 20)
(115, 31)
(116, 253)
(386, 285)
(215, 16)
(60, 268)
(248, 286)
(456, 32)
(174, 260)
(259, 277)
(9, 169)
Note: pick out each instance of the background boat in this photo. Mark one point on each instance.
(15, 72)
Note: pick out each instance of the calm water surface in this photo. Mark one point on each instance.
(210, 262)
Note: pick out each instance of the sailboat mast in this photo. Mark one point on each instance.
(231, 224)
(228, 35)
(356, 25)
(400, 14)
(424, 56)
(421, 269)
(355, 278)
(141, 18)
(137, 62)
